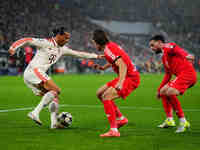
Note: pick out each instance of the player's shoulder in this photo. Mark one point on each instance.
(169, 45)
(114, 47)
(111, 45)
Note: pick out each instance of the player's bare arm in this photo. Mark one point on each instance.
(80, 54)
(99, 67)
(122, 72)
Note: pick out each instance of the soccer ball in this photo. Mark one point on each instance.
(65, 119)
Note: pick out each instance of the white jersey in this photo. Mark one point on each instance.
(48, 52)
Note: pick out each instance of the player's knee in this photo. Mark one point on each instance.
(163, 91)
(56, 91)
(99, 95)
(106, 96)
(40, 94)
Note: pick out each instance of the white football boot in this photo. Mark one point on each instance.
(35, 118)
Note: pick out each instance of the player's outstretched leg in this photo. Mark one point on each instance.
(184, 124)
(169, 122)
(111, 115)
(46, 99)
(121, 120)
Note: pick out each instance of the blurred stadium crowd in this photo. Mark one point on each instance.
(178, 20)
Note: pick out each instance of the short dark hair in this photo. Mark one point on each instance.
(100, 37)
(158, 38)
(57, 31)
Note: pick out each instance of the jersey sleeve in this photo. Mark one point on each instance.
(173, 49)
(29, 41)
(69, 52)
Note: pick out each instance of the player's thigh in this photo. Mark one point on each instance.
(164, 89)
(180, 84)
(110, 94)
(101, 90)
(35, 88)
(172, 91)
(50, 85)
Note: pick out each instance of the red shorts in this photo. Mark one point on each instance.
(183, 81)
(130, 84)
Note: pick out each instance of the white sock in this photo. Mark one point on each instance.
(114, 129)
(120, 118)
(53, 119)
(182, 119)
(46, 99)
(53, 108)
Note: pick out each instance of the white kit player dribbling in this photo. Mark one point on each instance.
(48, 52)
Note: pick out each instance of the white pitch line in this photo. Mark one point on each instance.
(16, 109)
(98, 106)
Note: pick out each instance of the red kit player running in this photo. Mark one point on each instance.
(176, 62)
(128, 80)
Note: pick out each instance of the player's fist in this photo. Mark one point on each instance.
(118, 86)
(11, 51)
(158, 95)
(97, 66)
(100, 56)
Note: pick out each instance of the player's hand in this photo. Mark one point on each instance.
(118, 86)
(158, 95)
(11, 51)
(100, 56)
(97, 66)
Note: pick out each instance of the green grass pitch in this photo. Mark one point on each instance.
(78, 96)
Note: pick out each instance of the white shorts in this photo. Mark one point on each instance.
(33, 77)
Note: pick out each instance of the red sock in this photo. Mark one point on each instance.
(110, 113)
(117, 111)
(176, 106)
(167, 106)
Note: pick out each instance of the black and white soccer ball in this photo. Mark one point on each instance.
(65, 119)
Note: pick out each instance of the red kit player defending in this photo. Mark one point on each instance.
(128, 80)
(176, 62)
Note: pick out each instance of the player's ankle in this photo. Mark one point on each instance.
(182, 119)
(114, 129)
(120, 118)
(170, 118)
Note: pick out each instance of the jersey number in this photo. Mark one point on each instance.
(52, 58)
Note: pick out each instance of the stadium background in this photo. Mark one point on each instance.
(130, 23)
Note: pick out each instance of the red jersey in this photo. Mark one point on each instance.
(174, 59)
(175, 63)
(112, 52)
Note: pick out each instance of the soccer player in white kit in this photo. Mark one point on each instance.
(48, 52)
